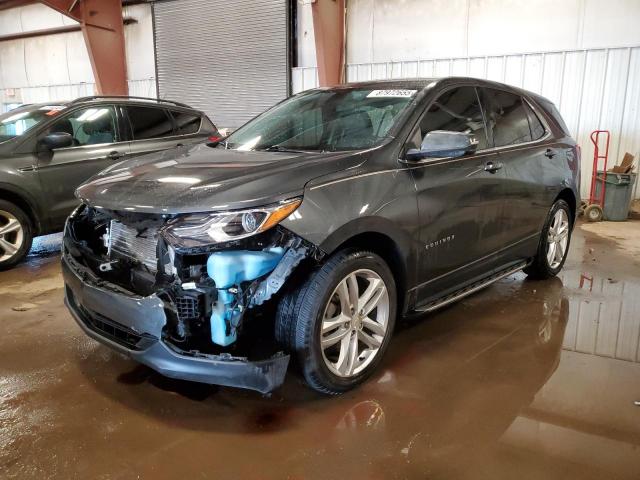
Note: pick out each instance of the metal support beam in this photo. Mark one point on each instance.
(329, 32)
(102, 28)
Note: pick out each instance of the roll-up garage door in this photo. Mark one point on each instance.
(228, 59)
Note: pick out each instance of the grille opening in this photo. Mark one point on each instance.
(134, 244)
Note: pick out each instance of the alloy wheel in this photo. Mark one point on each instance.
(557, 238)
(354, 323)
(11, 236)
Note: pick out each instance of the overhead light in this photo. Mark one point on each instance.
(185, 180)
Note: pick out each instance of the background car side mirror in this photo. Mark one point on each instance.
(444, 143)
(57, 140)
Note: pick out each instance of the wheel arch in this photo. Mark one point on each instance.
(393, 249)
(27, 205)
(570, 197)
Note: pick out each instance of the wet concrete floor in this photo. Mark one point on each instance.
(526, 380)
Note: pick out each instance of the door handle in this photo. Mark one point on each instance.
(550, 153)
(115, 155)
(179, 144)
(492, 167)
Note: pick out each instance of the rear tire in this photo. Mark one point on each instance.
(554, 243)
(339, 321)
(16, 234)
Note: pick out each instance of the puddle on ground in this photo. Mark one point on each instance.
(534, 379)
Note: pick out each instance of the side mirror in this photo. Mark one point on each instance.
(57, 140)
(443, 143)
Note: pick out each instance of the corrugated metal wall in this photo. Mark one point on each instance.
(593, 88)
(605, 322)
(230, 62)
(48, 93)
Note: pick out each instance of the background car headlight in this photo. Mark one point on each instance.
(205, 229)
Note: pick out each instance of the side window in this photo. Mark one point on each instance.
(186, 123)
(456, 110)
(506, 118)
(149, 122)
(537, 129)
(89, 126)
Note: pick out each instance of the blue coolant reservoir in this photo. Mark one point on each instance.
(229, 269)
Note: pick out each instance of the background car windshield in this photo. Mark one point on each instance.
(17, 122)
(325, 120)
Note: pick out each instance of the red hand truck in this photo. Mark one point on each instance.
(594, 210)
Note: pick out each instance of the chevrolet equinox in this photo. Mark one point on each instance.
(311, 229)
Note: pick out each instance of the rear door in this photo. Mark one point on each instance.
(460, 201)
(520, 138)
(155, 128)
(97, 144)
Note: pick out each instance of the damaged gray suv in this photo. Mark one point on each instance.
(311, 229)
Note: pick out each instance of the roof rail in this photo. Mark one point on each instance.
(128, 97)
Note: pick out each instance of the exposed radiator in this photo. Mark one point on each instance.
(130, 243)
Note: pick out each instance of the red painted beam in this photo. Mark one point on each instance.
(103, 31)
(329, 32)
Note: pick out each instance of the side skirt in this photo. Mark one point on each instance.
(469, 289)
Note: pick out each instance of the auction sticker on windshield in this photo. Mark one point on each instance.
(52, 109)
(392, 93)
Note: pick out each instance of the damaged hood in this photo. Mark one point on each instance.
(200, 178)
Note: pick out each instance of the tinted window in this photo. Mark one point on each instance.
(456, 110)
(506, 118)
(149, 122)
(186, 123)
(537, 129)
(89, 126)
(551, 108)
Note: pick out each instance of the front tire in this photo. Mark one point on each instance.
(340, 320)
(554, 243)
(16, 234)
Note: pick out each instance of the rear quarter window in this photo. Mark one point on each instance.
(186, 122)
(553, 111)
(149, 122)
(537, 128)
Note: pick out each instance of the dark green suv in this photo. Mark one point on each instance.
(47, 150)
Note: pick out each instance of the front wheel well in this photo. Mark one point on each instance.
(386, 248)
(24, 205)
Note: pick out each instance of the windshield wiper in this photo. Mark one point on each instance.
(280, 148)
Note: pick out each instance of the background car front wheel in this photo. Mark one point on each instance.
(554, 243)
(340, 320)
(15, 234)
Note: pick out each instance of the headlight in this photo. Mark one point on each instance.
(205, 229)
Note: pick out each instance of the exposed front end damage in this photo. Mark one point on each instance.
(201, 313)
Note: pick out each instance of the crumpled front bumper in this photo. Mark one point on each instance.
(133, 326)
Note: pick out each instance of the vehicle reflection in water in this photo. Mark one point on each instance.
(526, 402)
(440, 412)
(521, 377)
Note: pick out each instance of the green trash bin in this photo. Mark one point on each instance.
(617, 194)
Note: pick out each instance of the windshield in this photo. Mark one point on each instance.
(324, 120)
(19, 121)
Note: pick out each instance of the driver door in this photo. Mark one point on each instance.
(460, 200)
(96, 146)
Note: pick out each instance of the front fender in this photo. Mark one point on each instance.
(381, 202)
